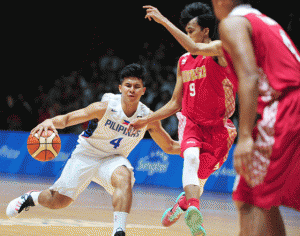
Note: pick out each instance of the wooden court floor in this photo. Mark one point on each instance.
(92, 213)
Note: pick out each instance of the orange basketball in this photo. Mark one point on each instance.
(45, 148)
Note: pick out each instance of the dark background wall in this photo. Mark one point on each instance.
(42, 44)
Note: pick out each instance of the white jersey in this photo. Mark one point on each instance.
(109, 135)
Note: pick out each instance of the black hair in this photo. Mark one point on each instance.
(133, 70)
(204, 14)
(247, 1)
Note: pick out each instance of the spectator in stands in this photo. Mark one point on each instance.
(109, 62)
(18, 110)
(87, 92)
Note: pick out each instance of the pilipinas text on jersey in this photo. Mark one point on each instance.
(109, 135)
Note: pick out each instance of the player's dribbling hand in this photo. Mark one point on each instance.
(153, 13)
(44, 126)
(136, 125)
(242, 157)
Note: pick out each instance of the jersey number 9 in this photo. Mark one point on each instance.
(192, 89)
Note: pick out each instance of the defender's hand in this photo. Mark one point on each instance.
(153, 13)
(44, 126)
(137, 124)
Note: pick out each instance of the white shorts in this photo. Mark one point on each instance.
(82, 168)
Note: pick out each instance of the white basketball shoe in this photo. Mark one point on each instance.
(16, 206)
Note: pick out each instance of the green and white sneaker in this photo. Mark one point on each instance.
(194, 220)
(171, 215)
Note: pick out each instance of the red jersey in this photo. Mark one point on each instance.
(274, 164)
(208, 93)
(276, 56)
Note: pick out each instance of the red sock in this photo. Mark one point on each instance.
(194, 202)
(183, 204)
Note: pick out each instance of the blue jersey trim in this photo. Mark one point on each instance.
(93, 124)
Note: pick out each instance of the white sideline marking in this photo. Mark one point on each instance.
(69, 222)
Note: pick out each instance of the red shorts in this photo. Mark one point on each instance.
(214, 143)
(275, 176)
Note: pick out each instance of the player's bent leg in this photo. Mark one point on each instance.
(46, 198)
(190, 172)
(193, 191)
(122, 196)
(190, 178)
(202, 183)
(53, 199)
(190, 183)
(121, 180)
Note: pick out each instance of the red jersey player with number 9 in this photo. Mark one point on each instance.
(206, 96)
(267, 156)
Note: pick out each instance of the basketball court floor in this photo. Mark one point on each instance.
(92, 214)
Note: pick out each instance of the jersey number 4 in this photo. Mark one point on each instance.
(116, 142)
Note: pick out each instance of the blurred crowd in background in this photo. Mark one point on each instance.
(23, 111)
(75, 91)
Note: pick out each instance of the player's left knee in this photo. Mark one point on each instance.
(191, 156)
(121, 178)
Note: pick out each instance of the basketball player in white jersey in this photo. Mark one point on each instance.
(102, 150)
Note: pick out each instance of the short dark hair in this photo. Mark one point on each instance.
(204, 14)
(246, 1)
(133, 70)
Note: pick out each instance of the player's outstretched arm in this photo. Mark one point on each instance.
(94, 111)
(213, 48)
(167, 110)
(163, 139)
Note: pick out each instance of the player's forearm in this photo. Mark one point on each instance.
(167, 110)
(188, 44)
(181, 37)
(70, 119)
(248, 94)
(59, 121)
(174, 148)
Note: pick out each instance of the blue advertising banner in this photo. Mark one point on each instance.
(151, 165)
(15, 159)
(154, 167)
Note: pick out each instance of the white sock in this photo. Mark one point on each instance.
(190, 166)
(119, 221)
(35, 197)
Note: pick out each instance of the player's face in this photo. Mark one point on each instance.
(132, 89)
(195, 32)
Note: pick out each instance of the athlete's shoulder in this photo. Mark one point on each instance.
(243, 10)
(96, 109)
(186, 55)
(110, 96)
(182, 60)
(143, 110)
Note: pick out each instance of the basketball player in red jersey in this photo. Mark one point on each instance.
(267, 156)
(206, 97)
